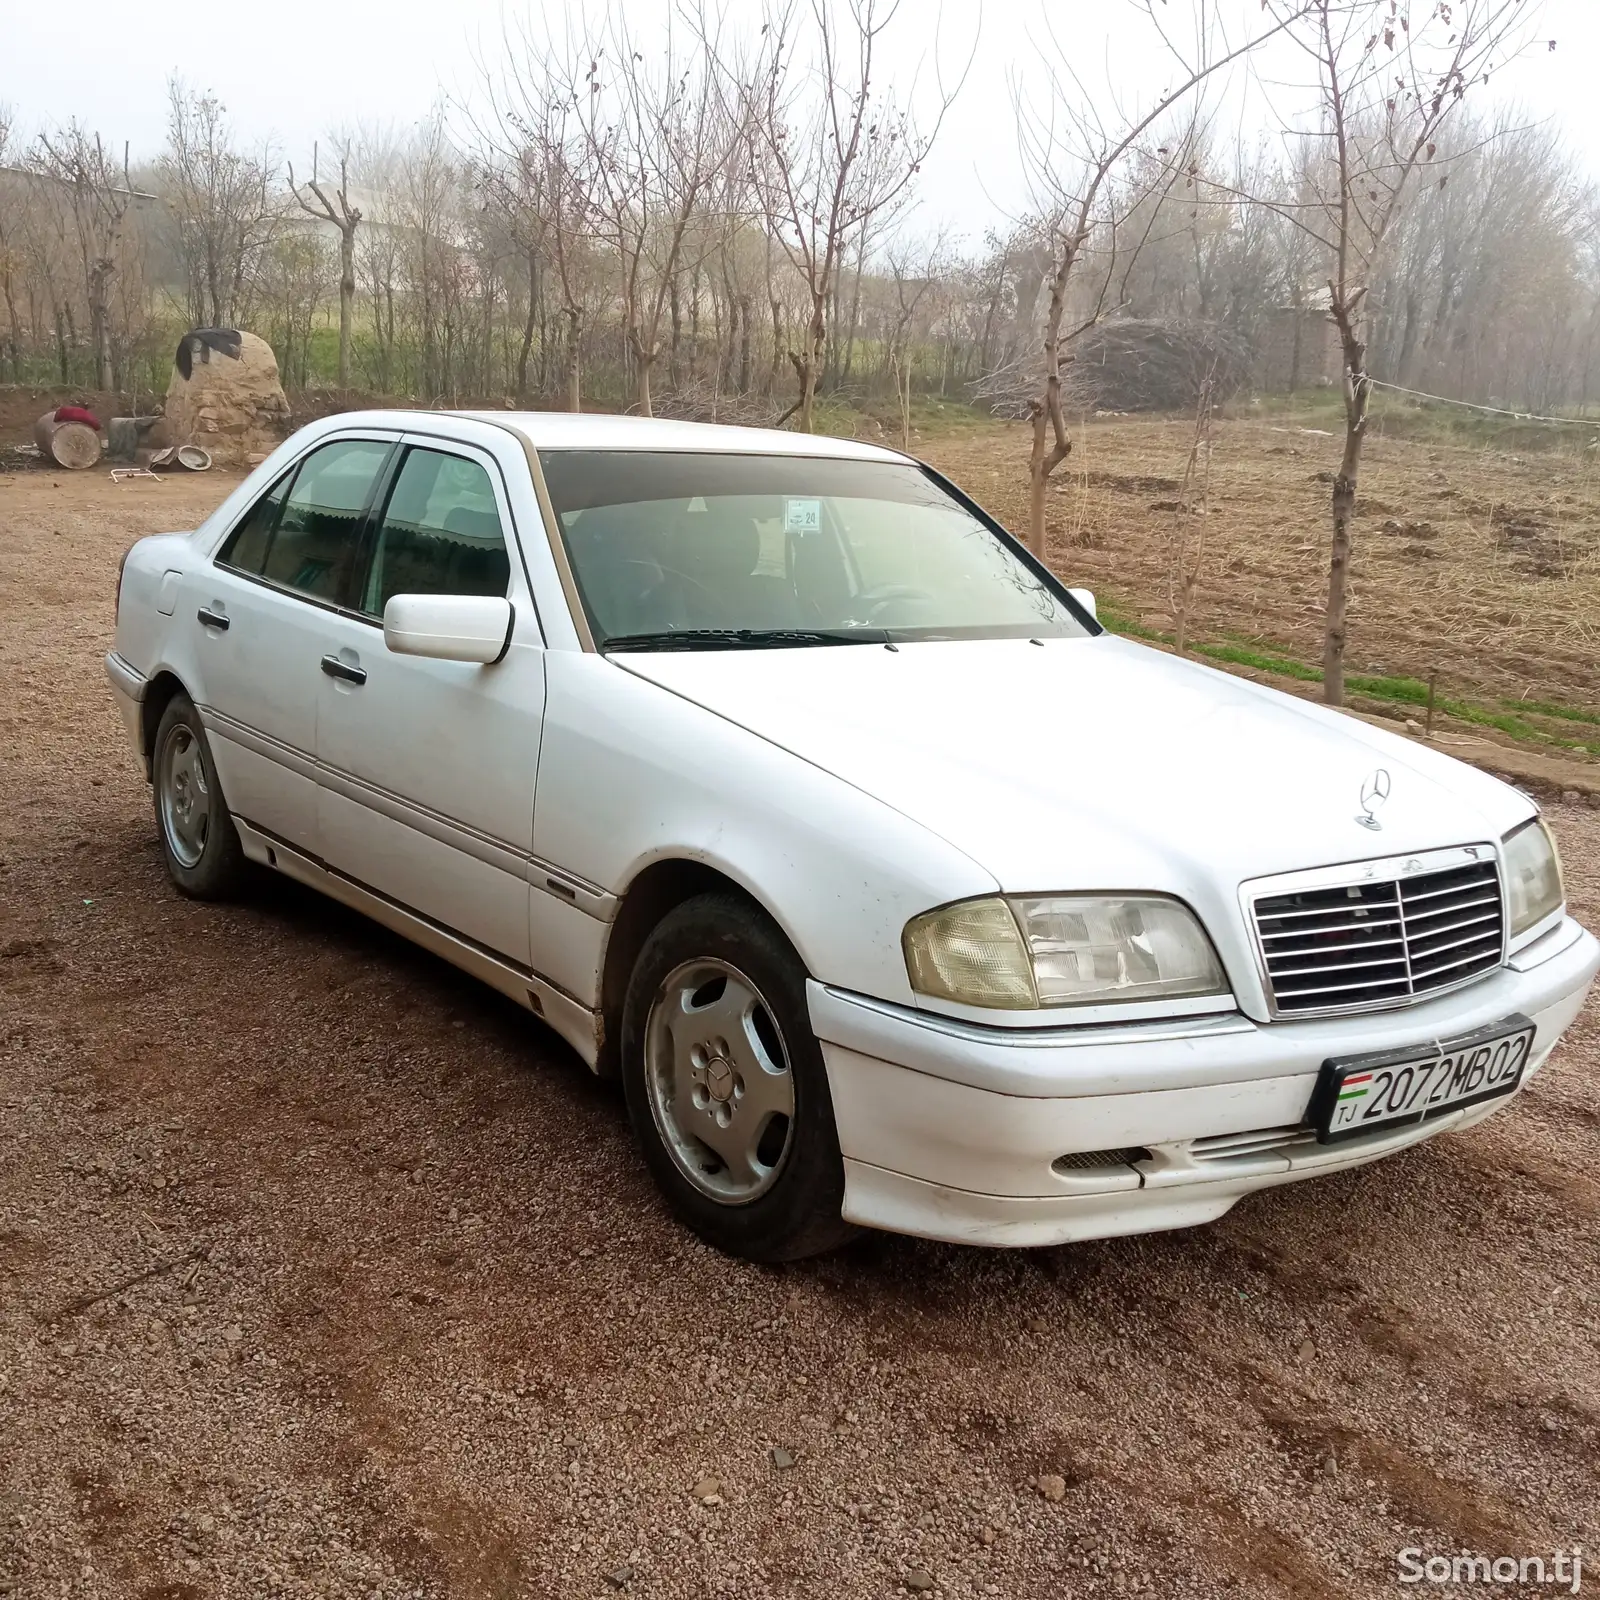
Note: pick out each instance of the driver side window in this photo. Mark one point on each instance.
(440, 534)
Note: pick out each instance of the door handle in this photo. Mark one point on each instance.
(212, 619)
(335, 668)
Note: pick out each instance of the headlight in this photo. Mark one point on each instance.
(1035, 951)
(1533, 875)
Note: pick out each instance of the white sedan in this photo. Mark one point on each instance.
(789, 789)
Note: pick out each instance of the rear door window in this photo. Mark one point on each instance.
(305, 533)
(246, 548)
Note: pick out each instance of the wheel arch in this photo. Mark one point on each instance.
(158, 695)
(656, 890)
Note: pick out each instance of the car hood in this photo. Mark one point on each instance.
(1095, 762)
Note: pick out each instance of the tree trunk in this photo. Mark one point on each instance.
(902, 394)
(347, 299)
(1297, 311)
(694, 325)
(529, 323)
(99, 325)
(816, 350)
(777, 346)
(643, 360)
(1406, 360)
(544, 341)
(992, 310)
(15, 319)
(573, 376)
(744, 344)
(727, 343)
(16, 333)
(728, 346)
(1038, 477)
(675, 307)
(1046, 412)
(855, 305)
(1357, 393)
(388, 335)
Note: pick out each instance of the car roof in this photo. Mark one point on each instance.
(569, 430)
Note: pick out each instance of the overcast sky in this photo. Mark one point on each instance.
(294, 69)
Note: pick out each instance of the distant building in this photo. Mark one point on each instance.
(1299, 347)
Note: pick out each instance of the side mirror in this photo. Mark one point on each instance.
(1085, 598)
(449, 627)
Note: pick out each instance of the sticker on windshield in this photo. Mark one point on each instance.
(802, 516)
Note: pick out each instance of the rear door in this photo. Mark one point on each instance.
(427, 767)
(260, 611)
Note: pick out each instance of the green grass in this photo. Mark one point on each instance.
(1429, 421)
(1236, 656)
(1408, 692)
(1544, 708)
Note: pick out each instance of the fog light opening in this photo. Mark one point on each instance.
(1089, 1160)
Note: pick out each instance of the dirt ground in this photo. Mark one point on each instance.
(327, 1272)
(1482, 565)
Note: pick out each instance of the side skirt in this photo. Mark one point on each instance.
(578, 1025)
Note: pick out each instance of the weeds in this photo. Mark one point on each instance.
(1394, 691)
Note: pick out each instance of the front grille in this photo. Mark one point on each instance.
(1256, 1142)
(1377, 943)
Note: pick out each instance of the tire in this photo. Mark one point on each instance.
(198, 838)
(717, 1041)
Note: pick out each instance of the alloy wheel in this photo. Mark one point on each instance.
(184, 787)
(719, 1081)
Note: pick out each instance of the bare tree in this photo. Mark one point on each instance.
(915, 272)
(224, 205)
(293, 291)
(93, 198)
(1193, 502)
(10, 252)
(656, 139)
(346, 218)
(681, 234)
(1074, 155)
(828, 159)
(1389, 77)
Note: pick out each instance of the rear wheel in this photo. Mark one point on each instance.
(726, 1086)
(198, 838)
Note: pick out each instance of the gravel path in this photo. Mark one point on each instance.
(327, 1272)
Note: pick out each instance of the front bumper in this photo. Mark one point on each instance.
(959, 1132)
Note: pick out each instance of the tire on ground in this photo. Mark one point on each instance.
(204, 860)
(798, 1213)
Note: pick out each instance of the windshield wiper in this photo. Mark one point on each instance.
(743, 638)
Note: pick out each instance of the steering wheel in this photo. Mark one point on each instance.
(660, 583)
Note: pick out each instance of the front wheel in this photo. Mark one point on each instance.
(726, 1087)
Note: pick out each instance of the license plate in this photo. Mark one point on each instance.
(1366, 1094)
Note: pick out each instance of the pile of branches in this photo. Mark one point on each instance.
(1130, 364)
(701, 400)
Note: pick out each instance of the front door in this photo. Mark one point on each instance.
(427, 767)
(258, 611)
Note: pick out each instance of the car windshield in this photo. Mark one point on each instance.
(689, 550)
